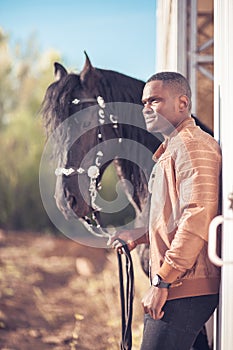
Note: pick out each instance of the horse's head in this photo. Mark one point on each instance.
(78, 134)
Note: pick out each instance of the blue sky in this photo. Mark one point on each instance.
(117, 34)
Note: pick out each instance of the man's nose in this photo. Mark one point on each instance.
(147, 108)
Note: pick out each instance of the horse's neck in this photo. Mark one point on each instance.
(117, 87)
(141, 210)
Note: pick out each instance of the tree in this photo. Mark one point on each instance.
(23, 80)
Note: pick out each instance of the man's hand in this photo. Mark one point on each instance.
(131, 237)
(153, 302)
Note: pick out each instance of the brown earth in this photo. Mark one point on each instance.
(58, 294)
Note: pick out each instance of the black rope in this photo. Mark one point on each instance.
(126, 297)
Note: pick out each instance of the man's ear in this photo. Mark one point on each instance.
(183, 102)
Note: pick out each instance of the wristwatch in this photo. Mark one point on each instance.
(158, 282)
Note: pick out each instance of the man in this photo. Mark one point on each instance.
(184, 187)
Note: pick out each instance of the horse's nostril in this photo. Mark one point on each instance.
(70, 198)
(72, 201)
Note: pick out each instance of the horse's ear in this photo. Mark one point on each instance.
(86, 69)
(59, 71)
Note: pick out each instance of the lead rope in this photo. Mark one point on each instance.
(126, 297)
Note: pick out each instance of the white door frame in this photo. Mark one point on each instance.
(223, 128)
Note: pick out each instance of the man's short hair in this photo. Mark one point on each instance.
(174, 80)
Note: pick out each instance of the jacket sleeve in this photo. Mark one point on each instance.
(197, 169)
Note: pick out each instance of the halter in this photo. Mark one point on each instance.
(94, 227)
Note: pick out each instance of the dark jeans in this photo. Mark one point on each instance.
(182, 321)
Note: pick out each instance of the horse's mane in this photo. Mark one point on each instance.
(55, 106)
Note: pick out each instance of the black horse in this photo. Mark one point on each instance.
(92, 97)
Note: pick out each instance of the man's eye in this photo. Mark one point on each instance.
(152, 102)
(155, 101)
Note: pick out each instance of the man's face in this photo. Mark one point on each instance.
(161, 107)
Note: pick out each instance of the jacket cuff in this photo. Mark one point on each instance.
(168, 273)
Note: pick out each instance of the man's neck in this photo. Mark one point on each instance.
(170, 130)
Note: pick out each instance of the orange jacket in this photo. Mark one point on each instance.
(184, 187)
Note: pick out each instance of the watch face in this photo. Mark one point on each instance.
(156, 280)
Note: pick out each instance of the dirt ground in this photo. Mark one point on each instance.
(57, 294)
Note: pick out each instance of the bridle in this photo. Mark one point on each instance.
(93, 172)
(93, 226)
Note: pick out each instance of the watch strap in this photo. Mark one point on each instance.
(163, 285)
